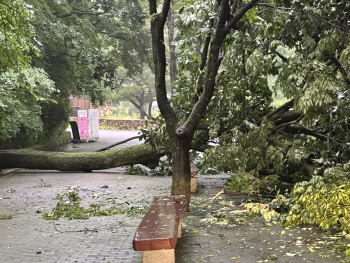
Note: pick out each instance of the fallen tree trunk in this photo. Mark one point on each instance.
(86, 161)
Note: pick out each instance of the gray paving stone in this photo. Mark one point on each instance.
(28, 238)
(27, 233)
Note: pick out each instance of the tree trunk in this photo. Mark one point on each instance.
(142, 112)
(181, 184)
(86, 161)
(150, 110)
(172, 47)
(142, 115)
(142, 103)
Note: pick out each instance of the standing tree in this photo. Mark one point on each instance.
(81, 43)
(227, 15)
(23, 87)
(138, 90)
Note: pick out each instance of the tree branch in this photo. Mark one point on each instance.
(205, 50)
(240, 14)
(158, 47)
(246, 194)
(138, 107)
(204, 57)
(70, 231)
(285, 107)
(298, 129)
(65, 54)
(275, 7)
(223, 27)
(341, 69)
(233, 7)
(82, 13)
(137, 97)
(212, 69)
(284, 59)
(287, 123)
(114, 35)
(85, 161)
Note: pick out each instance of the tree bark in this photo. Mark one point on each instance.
(150, 110)
(87, 161)
(159, 61)
(181, 179)
(142, 102)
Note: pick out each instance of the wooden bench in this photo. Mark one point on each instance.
(159, 229)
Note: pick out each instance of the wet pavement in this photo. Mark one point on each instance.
(107, 138)
(26, 237)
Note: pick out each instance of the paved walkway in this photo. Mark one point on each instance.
(107, 138)
(28, 238)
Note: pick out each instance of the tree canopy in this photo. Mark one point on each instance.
(294, 50)
(22, 87)
(308, 65)
(74, 46)
(17, 34)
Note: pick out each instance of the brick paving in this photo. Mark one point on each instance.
(107, 138)
(28, 238)
(246, 240)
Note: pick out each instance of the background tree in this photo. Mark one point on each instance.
(23, 88)
(138, 90)
(81, 45)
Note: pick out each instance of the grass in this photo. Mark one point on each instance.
(4, 217)
(69, 206)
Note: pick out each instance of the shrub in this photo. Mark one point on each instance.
(246, 182)
(68, 206)
(324, 200)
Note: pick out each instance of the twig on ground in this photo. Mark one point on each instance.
(217, 195)
(254, 195)
(237, 212)
(82, 230)
(223, 191)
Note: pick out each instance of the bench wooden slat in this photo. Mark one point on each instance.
(159, 227)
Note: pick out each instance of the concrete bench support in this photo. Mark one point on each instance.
(194, 181)
(159, 230)
(194, 184)
(159, 256)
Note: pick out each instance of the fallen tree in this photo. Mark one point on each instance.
(86, 161)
